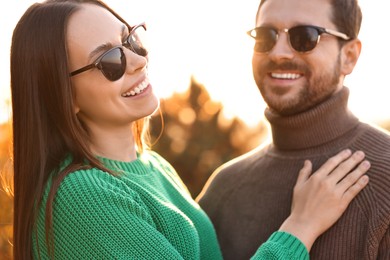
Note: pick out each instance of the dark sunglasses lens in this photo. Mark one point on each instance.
(138, 41)
(265, 38)
(303, 38)
(113, 64)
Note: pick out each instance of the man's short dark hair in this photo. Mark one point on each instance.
(346, 15)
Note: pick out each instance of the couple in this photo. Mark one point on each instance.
(88, 186)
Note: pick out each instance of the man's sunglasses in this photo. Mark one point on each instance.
(112, 63)
(302, 38)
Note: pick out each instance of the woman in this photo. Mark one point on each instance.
(86, 186)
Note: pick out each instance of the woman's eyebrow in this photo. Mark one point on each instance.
(101, 48)
(106, 46)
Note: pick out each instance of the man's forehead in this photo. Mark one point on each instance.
(295, 12)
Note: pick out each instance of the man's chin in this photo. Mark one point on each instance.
(286, 108)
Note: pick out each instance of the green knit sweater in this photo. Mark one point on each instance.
(144, 213)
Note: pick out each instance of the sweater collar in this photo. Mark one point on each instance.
(319, 125)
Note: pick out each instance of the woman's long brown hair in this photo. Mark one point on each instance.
(45, 127)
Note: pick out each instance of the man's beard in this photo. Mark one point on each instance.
(314, 92)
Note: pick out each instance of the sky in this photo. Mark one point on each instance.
(206, 39)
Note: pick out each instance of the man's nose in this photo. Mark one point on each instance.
(282, 48)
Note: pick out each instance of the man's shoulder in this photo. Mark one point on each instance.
(376, 140)
(376, 131)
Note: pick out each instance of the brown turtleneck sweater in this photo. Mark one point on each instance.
(248, 198)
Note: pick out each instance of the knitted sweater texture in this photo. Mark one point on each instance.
(249, 197)
(145, 212)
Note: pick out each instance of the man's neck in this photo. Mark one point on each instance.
(314, 127)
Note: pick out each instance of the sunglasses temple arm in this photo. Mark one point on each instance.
(337, 34)
(90, 66)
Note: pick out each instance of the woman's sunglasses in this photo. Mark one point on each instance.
(112, 63)
(302, 38)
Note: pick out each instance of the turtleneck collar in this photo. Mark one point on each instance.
(321, 124)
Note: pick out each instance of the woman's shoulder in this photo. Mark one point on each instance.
(165, 168)
(93, 182)
(94, 191)
(159, 162)
(154, 157)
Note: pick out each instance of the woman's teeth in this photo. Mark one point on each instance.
(136, 90)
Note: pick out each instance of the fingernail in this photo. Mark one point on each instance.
(359, 154)
(347, 151)
(366, 164)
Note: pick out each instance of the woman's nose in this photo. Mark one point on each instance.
(134, 61)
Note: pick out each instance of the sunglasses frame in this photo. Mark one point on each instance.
(320, 30)
(127, 44)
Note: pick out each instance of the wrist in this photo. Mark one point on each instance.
(301, 230)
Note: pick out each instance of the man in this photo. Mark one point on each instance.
(299, 68)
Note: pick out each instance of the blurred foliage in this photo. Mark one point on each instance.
(6, 201)
(197, 137)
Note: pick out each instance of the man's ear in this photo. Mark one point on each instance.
(350, 53)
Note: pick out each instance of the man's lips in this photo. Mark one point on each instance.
(285, 76)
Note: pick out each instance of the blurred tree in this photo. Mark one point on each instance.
(197, 138)
(6, 201)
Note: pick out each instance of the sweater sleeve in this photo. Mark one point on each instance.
(98, 219)
(282, 246)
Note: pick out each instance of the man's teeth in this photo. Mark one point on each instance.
(285, 75)
(136, 90)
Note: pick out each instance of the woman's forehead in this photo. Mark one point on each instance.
(93, 24)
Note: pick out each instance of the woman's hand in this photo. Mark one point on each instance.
(320, 199)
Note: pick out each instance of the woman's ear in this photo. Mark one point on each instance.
(76, 108)
(350, 53)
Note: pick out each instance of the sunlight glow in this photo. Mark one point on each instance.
(5, 109)
(207, 40)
